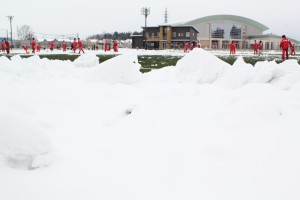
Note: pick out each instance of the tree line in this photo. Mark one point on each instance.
(115, 35)
(25, 32)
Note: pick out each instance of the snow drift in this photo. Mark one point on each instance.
(121, 69)
(24, 143)
(200, 130)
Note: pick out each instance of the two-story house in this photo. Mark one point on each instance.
(165, 37)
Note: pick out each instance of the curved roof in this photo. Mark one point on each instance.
(236, 18)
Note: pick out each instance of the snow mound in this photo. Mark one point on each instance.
(239, 74)
(120, 69)
(23, 141)
(284, 75)
(87, 60)
(200, 66)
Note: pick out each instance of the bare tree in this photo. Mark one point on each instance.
(25, 32)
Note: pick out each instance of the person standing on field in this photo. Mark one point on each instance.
(293, 50)
(255, 47)
(80, 46)
(232, 48)
(38, 47)
(185, 48)
(284, 45)
(74, 45)
(192, 46)
(115, 46)
(199, 44)
(7, 46)
(260, 48)
(105, 46)
(25, 48)
(64, 46)
(51, 44)
(33, 45)
(3, 47)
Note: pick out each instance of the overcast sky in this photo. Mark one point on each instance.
(88, 17)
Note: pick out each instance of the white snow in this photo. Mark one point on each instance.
(86, 60)
(200, 130)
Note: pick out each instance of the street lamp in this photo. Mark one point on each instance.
(10, 18)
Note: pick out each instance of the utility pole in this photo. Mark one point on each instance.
(145, 11)
(10, 18)
(166, 16)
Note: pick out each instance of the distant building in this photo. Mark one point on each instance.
(217, 32)
(137, 41)
(165, 37)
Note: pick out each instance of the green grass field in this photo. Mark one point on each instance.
(151, 62)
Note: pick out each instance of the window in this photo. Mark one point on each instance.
(187, 34)
(152, 35)
(227, 31)
(174, 34)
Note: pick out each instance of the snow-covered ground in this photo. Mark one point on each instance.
(200, 130)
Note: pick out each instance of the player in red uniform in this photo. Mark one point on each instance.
(192, 46)
(284, 45)
(51, 44)
(80, 46)
(232, 48)
(115, 46)
(293, 50)
(74, 45)
(64, 46)
(33, 45)
(38, 47)
(260, 48)
(25, 48)
(7, 46)
(255, 48)
(106, 46)
(185, 48)
(199, 44)
(3, 47)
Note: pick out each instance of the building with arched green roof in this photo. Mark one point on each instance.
(213, 32)
(217, 32)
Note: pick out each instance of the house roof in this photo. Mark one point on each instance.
(236, 18)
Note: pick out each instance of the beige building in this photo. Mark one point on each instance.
(217, 32)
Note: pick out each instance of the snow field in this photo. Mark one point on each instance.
(200, 130)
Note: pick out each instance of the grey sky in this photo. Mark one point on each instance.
(96, 16)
